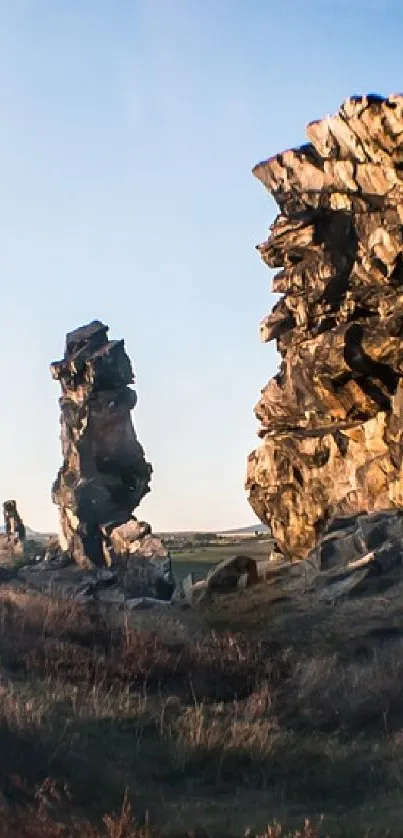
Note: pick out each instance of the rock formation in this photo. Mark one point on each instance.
(104, 475)
(332, 418)
(14, 526)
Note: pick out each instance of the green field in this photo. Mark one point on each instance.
(200, 559)
(199, 567)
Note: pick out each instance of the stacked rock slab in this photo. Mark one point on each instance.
(104, 474)
(332, 417)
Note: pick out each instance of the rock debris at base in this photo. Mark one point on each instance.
(358, 557)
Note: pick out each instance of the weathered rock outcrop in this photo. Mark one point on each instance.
(332, 418)
(14, 526)
(17, 543)
(104, 475)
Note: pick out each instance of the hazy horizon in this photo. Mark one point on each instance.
(129, 133)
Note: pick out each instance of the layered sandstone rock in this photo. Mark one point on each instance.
(104, 474)
(332, 418)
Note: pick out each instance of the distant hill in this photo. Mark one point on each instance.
(260, 528)
(31, 533)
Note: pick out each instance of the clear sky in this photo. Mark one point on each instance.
(128, 132)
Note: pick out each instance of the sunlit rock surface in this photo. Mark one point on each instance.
(331, 420)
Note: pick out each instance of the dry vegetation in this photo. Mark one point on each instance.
(213, 738)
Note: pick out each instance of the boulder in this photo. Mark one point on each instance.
(143, 565)
(361, 562)
(224, 577)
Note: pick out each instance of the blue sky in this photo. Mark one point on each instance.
(128, 133)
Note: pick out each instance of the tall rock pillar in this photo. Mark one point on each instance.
(104, 474)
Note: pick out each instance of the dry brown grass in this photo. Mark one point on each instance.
(213, 738)
(46, 819)
(40, 823)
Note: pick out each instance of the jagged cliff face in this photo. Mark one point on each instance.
(332, 418)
